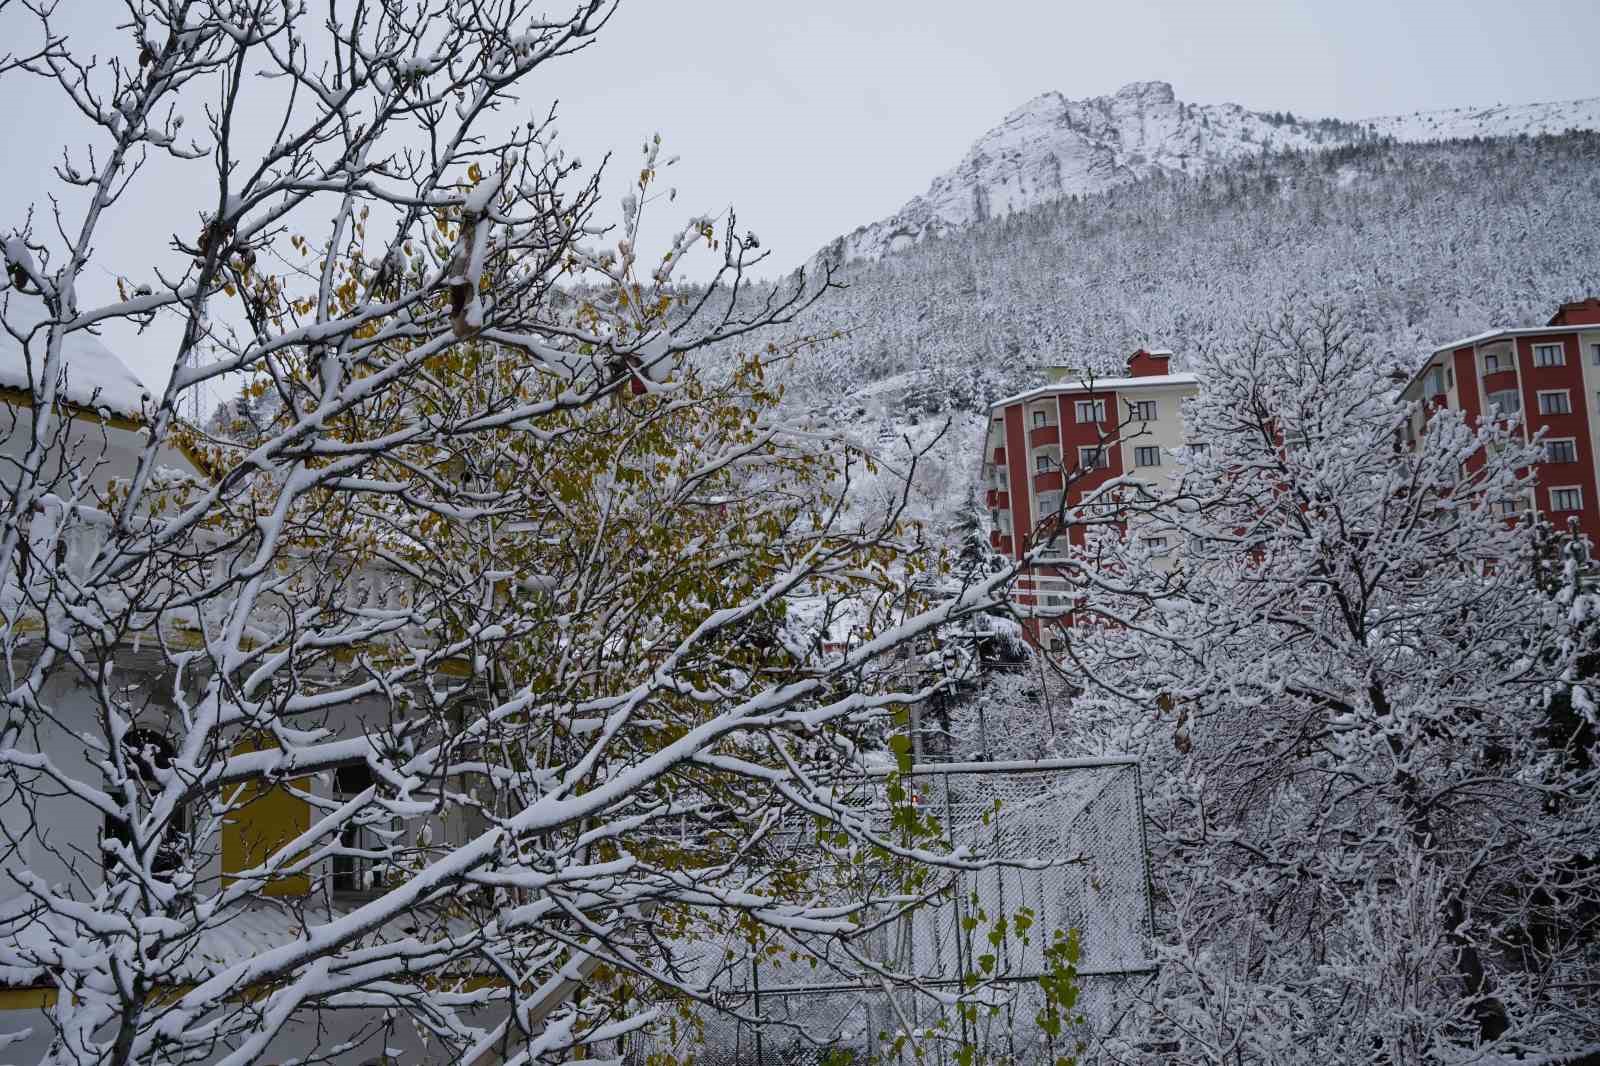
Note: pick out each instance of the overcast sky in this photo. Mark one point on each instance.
(812, 118)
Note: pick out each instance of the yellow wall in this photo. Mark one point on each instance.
(262, 821)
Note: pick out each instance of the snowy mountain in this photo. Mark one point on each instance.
(1419, 242)
(1052, 147)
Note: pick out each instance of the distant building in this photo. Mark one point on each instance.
(1071, 437)
(1548, 377)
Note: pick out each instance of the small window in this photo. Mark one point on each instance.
(1043, 464)
(1507, 506)
(1561, 451)
(1505, 402)
(1549, 355)
(1092, 458)
(353, 871)
(1147, 456)
(1491, 362)
(1436, 385)
(148, 754)
(1449, 378)
(1567, 499)
(1142, 410)
(1154, 545)
(1040, 419)
(1092, 411)
(1555, 403)
(1594, 354)
(1199, 448)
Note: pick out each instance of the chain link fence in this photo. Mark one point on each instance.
(1061, 841)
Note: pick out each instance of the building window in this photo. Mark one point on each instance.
(1491, 362)
(1000, 477)
(1561, 451)
(1549, 355)
(1147, 456)
(1093, 411)
(1508, 506)
(1594, 354)
(1436, 385)
(1142, 410)
(1198, 449)
(1040, 419)
(1043, 464)
(1092, 458)
(149, 753)
(1555, 403)
(355, 869)
(1505, 402)
(1566, 499)
(1154, 545)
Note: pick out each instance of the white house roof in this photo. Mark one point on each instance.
(95, 377)
(1100, 385)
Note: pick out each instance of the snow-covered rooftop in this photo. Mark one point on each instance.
(95, 377)
(1485, 337)
(1100, 385)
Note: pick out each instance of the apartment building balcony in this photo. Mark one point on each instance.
(1040, 436)
(1500, 380)
(1049, 481)
(999, 457)
(997, 499)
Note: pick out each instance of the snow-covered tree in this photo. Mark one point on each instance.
(1366, 705)
(465, 683)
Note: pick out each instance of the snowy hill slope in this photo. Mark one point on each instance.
(1462, 123)
(1052, 147)
(1419, 242)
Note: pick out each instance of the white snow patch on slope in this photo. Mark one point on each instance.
(1461, 123)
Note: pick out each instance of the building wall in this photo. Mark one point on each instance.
(105, 449)
(1576, 425)
(1473, 384)
(1588, 341)
(1017, 442)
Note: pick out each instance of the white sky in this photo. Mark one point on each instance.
(812, 118)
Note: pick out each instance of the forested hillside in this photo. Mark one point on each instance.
(1420, 242)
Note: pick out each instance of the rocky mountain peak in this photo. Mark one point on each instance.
(1155, 92)
(1053, 147)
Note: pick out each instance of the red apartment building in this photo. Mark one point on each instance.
(1068, 429)
(1549, 377)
